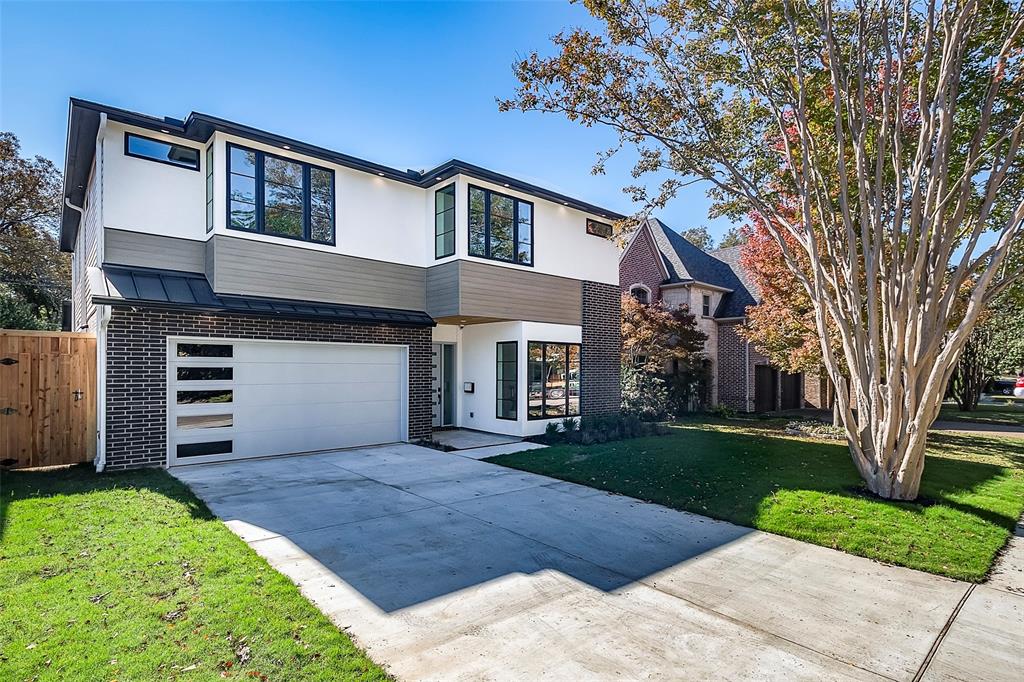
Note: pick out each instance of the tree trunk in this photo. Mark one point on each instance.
(894, 473)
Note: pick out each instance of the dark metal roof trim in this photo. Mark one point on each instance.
(83, 124)
(142, 287)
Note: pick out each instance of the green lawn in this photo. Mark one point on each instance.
(971, 495)
(127, 576)
(1011, 414)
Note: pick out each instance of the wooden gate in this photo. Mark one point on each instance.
(47, 398)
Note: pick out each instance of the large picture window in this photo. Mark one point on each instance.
(278, 196)
(508, 380)
(553, 373)
(444, 222)
(500, 227)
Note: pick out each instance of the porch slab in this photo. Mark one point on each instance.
(466, 439)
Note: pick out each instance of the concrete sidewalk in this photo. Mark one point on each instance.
(444, 567)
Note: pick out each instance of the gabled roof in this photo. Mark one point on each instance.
(190, 291)
(686, 263)
(83, 125)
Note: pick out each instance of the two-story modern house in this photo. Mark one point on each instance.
(254, 295)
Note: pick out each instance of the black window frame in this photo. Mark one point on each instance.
(210, 189)
(637, 289)
(128, 152)
(544, 394)
(705, 305)
(260, 196)
(488, 193)
(498, 382)
(454, 230)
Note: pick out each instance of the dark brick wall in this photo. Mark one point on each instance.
(600, 353)
(137, 370)
(640, 266)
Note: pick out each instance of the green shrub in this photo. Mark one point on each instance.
(722, 412)
(551, 433)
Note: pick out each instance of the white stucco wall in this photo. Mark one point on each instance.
(477, 352)
(376, 218)
(147, 196)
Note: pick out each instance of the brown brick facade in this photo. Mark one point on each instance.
(600, 361)
(736, 362)
(639, 265)
(137, 370)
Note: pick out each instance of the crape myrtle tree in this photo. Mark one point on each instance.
(892, 132)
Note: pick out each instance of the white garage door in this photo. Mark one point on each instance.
(230, 399)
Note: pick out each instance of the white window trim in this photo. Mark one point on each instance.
(638, 285)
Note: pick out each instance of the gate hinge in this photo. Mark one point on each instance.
(8, 410)
(8, 361)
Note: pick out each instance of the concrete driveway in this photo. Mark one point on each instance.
(444, 567)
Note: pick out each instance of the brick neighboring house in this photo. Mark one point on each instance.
(658, 264)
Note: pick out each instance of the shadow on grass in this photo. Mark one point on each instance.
(730, 475)
(82, 479)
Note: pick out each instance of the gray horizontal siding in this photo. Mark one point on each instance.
(443, 290)
(258, 268)
(512, 294)
(124, 247)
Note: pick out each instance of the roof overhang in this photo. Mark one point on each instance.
(83, 124)
(696, 283)
(167, 289)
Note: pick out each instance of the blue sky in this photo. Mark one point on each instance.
(406, 84)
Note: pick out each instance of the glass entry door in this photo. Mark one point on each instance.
(442, 384)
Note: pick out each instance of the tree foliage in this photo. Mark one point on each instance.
(699, 237)
(662, 357)
(35, 274)
(734, 236)
(880, 143)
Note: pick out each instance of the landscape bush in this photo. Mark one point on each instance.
(600, 429)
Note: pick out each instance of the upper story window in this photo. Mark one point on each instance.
(640, 293)
(280, 197)
(599, 229)
(209, 188)
(500, 227)
(444, 222)
(705, 305)
(162, 152)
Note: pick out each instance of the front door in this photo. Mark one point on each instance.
(442, 384)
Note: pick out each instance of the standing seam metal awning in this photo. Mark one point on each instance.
(142, 287)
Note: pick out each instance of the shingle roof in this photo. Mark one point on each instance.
(686, 262)
(190, 291)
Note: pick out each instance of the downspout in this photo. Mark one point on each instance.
(102, 318)
(746, 373)
(81, 211)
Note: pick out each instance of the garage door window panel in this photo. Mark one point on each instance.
(204, 421)
(205, 397)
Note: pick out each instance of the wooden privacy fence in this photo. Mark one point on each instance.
(47, 398)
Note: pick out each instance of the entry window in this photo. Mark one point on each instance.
(444, 222)
(508, 380)
(640, 294)
(278, 196)
(500, 227)
(162, 152)
(705, 305)
(553, 371)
